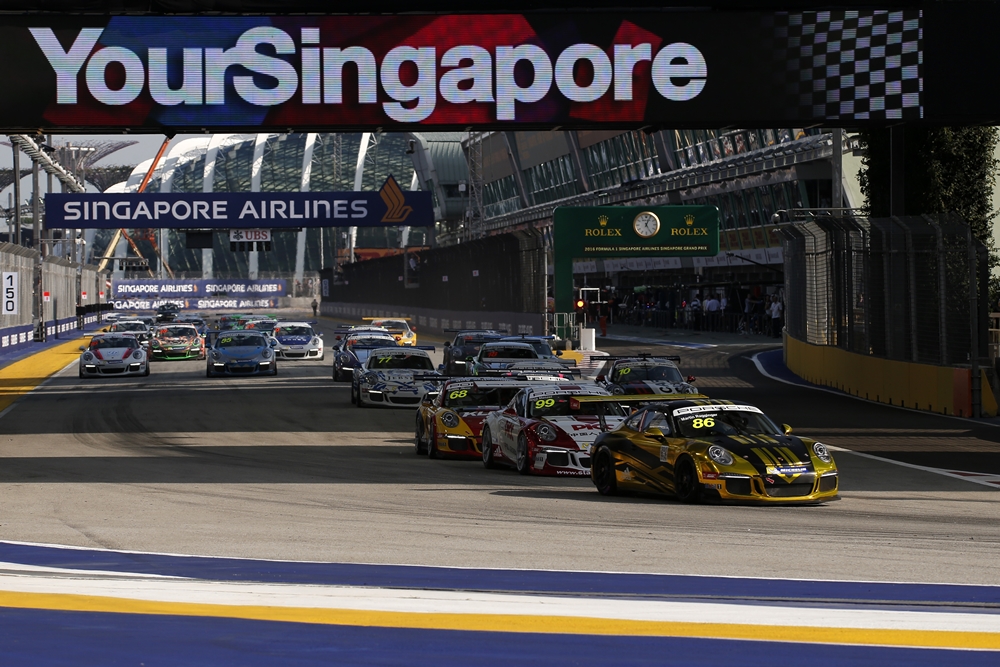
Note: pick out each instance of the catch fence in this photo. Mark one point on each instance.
(905, 288)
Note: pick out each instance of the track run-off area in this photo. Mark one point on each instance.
(177, 519)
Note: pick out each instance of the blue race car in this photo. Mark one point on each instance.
(241, 353)
(353, 351)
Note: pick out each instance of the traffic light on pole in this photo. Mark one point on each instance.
(580, 304)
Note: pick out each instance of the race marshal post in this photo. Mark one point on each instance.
(590, 232)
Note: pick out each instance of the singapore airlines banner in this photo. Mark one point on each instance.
(453, 71)
(198, 294)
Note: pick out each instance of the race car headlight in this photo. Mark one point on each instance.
(822, 453)
(315, 341)
(137, 354)
(266, 353)
(450, 419)
(156, 343)
(87, 356)
(720, 455)
(370, 378)
(546, 432)
(216, 356)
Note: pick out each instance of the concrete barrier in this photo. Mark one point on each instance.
(941, 389)
(432, 320)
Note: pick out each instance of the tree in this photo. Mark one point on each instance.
(946, 169)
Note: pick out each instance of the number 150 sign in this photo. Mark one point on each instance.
(9, 293)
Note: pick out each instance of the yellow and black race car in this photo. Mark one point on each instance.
(713, 450)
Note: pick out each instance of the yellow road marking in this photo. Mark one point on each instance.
(509, 622)
(22, 376)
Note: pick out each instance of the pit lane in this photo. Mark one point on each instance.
(287, 468)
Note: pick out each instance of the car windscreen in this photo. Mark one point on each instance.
(288, 330)
(404, 361)
(541, 348)
(564, 406)
(130, 326)
(741, 421)
(464, 341)
(379, 341)
(469, 397)
(393, 324)
(507, 353)
(176, 332)
(643, 372)
(262, 325)
(108, 343)
(241, 341)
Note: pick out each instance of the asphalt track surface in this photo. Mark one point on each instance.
(286, 468)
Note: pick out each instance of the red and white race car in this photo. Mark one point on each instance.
(548, 429)
(450, 422)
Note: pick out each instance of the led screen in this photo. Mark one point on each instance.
(453, 71)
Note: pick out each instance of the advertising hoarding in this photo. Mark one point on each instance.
(684, 68)
(240, 210)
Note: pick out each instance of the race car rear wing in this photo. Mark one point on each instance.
(429, 348)
(642, 357)
(632, 401)
(475, 331)
(371, 319)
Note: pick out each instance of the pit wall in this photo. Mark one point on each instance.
(435, 321)
(941, 389)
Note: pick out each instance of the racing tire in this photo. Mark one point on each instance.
(603, 472)
(686, 486)
(274, 370)
(208, 371)
(354, 399)
(146, 374)
(419, 446)
(82, 374)
(488, 461)
(432, 450)
(523, 463)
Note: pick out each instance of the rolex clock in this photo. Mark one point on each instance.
(646, 224)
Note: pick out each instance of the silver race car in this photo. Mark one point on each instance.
(388, 377)
(241, 353)
(113, 354)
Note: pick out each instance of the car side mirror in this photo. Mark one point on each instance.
(447, 344)
(321, 335)
(691, 378)
(470, 358)
(273, 343)
(786, 428)
(83, 349)
(510, 411)
(655, 433)
(599, 378)
(558, 353)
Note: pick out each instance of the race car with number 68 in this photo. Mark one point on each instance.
(713, 450)
(450, 421)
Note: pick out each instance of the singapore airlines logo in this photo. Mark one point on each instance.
(396, 210)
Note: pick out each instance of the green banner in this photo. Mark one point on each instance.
(589, 232)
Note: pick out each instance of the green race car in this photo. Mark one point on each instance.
(176, 341)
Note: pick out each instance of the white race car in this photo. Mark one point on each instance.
(548, 429)
(389, 377)
(297, 340)
(113, 354)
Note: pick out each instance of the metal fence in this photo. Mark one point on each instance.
(19, 260)
(497, 273)
(896, 288)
